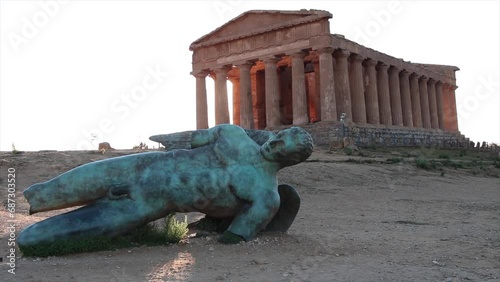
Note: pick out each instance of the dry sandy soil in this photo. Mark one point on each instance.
(357, 222)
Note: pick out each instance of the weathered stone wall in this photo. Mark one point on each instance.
(324, 133)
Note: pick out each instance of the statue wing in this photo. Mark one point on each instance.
(172, 141)
(184, 139)
(289, 207)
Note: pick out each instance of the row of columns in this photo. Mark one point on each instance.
(272, 96)
(385, 94)
(367, 91)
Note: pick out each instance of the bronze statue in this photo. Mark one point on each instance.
(226, 172)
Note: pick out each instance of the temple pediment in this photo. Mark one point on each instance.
(256, 22)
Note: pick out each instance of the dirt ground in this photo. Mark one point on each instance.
(357, 222)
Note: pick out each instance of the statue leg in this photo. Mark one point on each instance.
(105, 217)
(88, 183)
(255, 216)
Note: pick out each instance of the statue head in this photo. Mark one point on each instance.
(289, 147)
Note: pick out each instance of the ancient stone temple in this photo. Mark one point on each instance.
(287, 68)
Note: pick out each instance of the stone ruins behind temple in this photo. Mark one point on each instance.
(287, 68)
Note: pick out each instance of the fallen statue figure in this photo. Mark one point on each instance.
(226, 172)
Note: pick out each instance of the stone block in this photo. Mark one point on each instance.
(103, 147)
(336, 144)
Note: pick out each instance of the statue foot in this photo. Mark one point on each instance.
(229, 237)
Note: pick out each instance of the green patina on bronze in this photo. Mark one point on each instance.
(223, 172)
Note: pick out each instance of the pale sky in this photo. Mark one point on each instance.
(119, 70)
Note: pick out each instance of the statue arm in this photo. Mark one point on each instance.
(259, 136)
(203, 137)
(256, 215)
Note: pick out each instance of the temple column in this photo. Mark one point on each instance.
(201, 100)
(221, 104)
(431, 88)
(446, 107)
(235, 81)
(404, 83)
(246, 110)
(384, 100)
(342, 87)
(371, 99)
(395, 96)
(424, 102)
(258, 81)
(299, 99)
(327, 85)
(317, 91)
(273, 114)
(439, 104)
(415, 100)
(312, 100)
(357, 89)
(453, 107)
